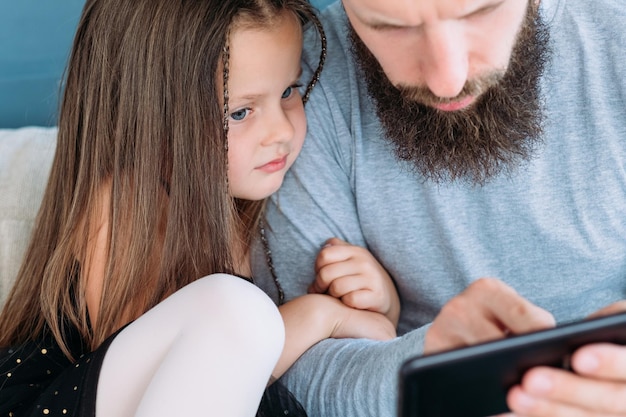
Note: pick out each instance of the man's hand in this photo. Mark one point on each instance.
(487, 310)
(597, 388)
(352, 274)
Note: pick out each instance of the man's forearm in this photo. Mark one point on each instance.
(352, 377)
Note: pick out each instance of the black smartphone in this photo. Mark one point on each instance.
(473, 381)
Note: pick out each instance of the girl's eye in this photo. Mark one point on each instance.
(287, 92)
(239, 114)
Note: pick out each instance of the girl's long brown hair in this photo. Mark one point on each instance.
(142, 110)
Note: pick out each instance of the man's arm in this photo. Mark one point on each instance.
(352, 377)
(359, 377)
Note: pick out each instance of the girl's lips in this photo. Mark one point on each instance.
(455, 105)
(274, 166)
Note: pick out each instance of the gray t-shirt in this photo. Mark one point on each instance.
(554, 229)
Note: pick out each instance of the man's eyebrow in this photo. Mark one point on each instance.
(374, 21)
(386, 26)
(378, 24)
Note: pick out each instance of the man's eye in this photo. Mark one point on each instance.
(239, 114)
(287, 92)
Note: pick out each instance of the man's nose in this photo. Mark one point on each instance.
(445, 59)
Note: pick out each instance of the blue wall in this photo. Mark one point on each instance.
(35, 40)
(320, 4)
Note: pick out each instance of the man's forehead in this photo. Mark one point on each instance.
(411, 13)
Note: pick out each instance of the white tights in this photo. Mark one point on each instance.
(207, 350)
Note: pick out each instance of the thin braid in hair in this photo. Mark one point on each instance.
(322, 60)
(225, 75)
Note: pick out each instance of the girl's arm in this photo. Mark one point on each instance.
(314, 317)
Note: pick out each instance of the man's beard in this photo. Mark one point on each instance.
(494, 134)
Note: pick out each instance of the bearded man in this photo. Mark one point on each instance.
(478, 149)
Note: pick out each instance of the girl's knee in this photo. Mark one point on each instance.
(240, 307)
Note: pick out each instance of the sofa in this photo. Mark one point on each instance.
(25, 159)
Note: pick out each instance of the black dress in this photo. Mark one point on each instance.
(37, 379)
(278, 401)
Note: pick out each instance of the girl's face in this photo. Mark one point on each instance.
(267, 123)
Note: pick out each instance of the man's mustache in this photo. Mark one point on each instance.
(472, 88)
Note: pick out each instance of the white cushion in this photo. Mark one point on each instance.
(25, 158)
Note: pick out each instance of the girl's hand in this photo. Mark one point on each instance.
(352, 274)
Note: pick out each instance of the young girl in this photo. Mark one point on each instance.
(178, 118)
